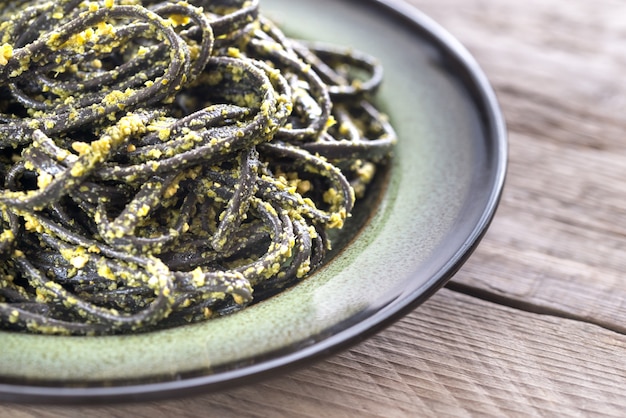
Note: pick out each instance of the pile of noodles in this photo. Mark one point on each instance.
(161, 162)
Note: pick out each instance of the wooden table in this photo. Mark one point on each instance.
(533, 324)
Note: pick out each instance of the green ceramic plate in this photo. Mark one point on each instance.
(443, 190)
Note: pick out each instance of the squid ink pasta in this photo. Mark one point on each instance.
(163, 162)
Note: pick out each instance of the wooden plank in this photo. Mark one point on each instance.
(456, 355)
(558, 240)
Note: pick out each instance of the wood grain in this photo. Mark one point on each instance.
(533, 324)
(557, 244)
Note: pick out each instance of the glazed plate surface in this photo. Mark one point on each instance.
(443, 188)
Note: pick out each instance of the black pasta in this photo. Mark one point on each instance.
(163, 161)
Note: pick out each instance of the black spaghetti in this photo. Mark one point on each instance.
(161, 161)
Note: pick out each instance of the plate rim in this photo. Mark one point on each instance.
(494, 122)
